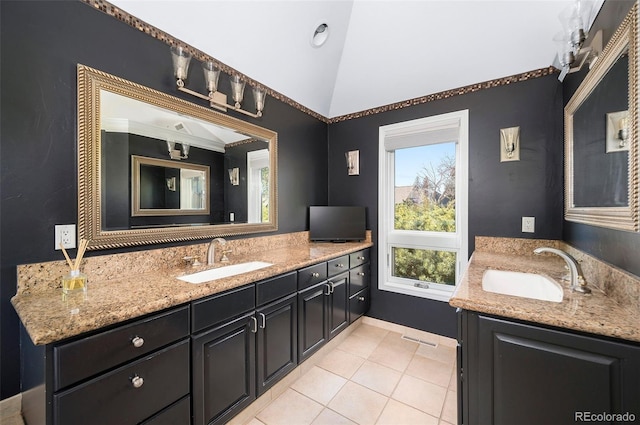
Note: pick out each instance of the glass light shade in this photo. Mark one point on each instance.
(237, 89)
(185, 150)
(574, 20)
(211, 75)
(564, 48)
(181, 58)
(259, 96)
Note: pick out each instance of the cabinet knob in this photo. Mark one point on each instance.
(315, 274)
(361, 258)
(340, 265)
(137, 381)
(360, 298)
(360, 273)
(137, 342)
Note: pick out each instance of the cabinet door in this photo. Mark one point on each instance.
(312, 319)
(224, 379)
(532, 375)
(338, 304)
(277, 341)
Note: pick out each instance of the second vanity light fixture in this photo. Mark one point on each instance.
(181, 59)
(510, 144)
(569, 42)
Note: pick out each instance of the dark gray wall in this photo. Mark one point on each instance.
(614, 246)
(41, 43)
(499, 193)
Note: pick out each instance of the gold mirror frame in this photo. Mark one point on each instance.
(622, 218)
(90, 82)
(136, 190)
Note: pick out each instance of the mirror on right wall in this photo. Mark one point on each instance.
(601, 137)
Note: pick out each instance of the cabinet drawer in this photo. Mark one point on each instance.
(178, 413)
(358, 279)
(221, 307)
(357, 258)
(358, 305)
(338, 265)
(278, 287)
(86, 357)
(311, 275)
(113, 399)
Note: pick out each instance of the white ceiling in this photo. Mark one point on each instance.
(378, 51)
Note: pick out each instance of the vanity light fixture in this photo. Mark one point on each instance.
(570, 40)
(510, 144)
(234, 176)
(353, 162)
(176, 153)
(181, 59)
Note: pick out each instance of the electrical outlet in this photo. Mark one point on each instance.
(65, 234)
(528, 224)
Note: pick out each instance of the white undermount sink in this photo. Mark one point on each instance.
(226, 271)
(526, 285)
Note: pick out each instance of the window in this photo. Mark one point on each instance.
(423, 192)
(258, 186)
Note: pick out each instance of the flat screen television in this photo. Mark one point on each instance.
(336, 224)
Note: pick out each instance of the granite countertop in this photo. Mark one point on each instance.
(49, 318)
(595, 313)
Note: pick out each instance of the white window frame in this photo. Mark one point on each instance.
(423, 131)
(256, 161)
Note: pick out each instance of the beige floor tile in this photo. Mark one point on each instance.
(450, 409)
(441, 353)
(377, 377)
(290, 408)
(358, 403)
(444, 422)
(396, 413)
(391, 356)
(453, 382)
(254, 421)
(395, 340)
(420, 394)
(372, 332)
(359, 345)
(341, 363)
(319, 385)
(329, 417)
(430, 370)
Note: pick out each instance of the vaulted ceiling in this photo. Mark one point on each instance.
(377, 52)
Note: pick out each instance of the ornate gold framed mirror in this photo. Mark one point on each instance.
(119, 121)
(601, 137)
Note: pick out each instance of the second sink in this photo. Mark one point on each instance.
(226, 271)
(527, 285)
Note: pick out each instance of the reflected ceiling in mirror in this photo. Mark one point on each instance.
(119, 119)
(601, 137)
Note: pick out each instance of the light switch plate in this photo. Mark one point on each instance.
(65, 234)
(528, 224)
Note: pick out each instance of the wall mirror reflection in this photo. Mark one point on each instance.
(601, 137)
(155, 168)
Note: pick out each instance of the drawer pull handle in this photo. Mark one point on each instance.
(137, 342)
(360, 298)
(315, 274)
(361, 258)
(360, 273)
(137, 381)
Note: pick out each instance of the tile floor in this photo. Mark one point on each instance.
(373, 377)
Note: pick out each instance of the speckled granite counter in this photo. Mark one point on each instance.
(126, 286)
(611, 310)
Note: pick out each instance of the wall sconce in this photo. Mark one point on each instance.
(569, 41)
(181, 59)
(353, 162)
(171, 184)
(617, 131)
(510, 144)
(176, 153)
(234, 176)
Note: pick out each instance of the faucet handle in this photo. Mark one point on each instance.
(192, 260)
(224, 258)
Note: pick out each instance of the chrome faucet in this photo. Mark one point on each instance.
(576, 278)
(211, 251)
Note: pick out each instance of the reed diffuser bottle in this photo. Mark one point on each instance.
(75, 280)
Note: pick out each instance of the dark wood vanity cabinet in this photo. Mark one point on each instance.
(518, 372)
(136, 372)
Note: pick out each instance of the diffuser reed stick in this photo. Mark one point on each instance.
(75, 280)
